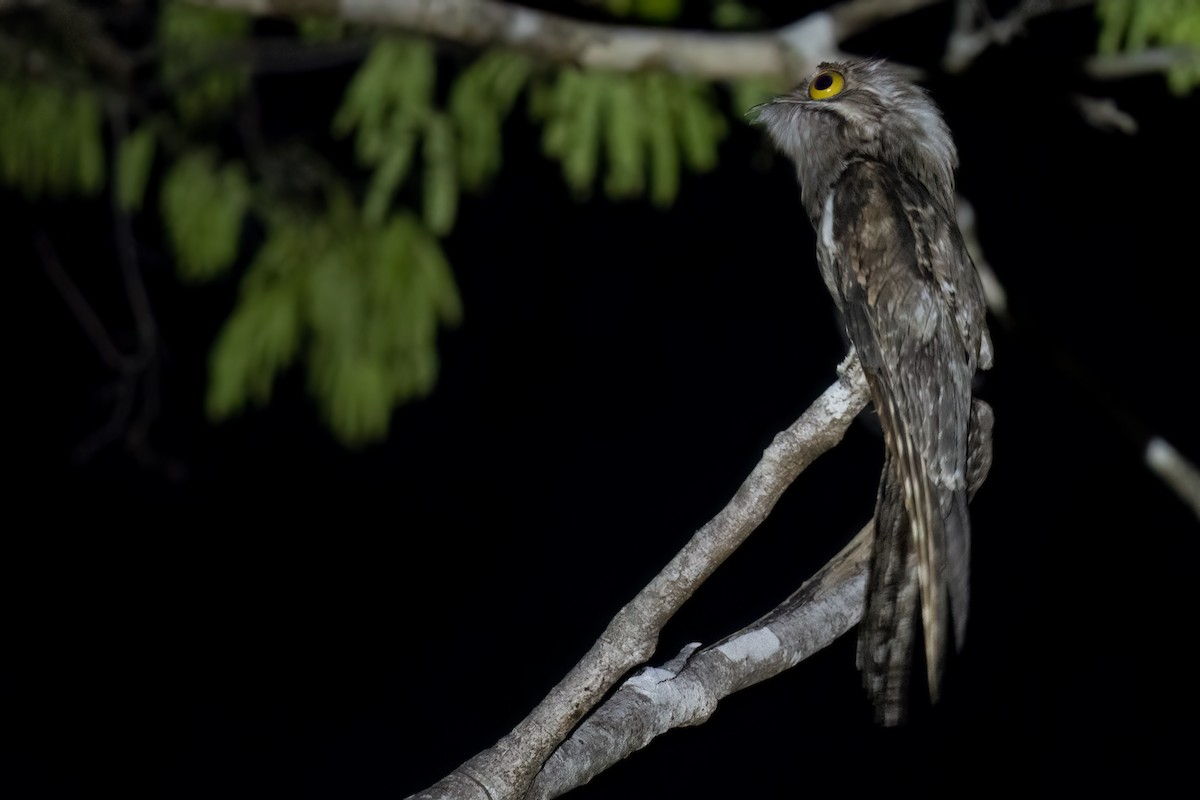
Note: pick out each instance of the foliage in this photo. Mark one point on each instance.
(50, 139)
(362, 301)
(350, 282)
(1132, 26)
(135, 155)
(481, 99)
(653, 10)
(648, 125)
(203, 207)
(203, 79)
(389, 106)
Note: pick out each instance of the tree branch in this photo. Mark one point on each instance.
(1179, 474)
(789, 51)
(506, 769)
(81, 30)
(1158, 455)
(1141, 62)
(686, 690)
(975, 30)
(1103, 114)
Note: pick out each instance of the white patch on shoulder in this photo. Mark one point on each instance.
(827, 223)
(756, 646)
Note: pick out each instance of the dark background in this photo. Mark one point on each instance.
(278, 616)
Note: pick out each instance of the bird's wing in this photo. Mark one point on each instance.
(877, 242)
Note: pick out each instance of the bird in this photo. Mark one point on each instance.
(875, 162)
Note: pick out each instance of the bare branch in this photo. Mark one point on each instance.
(993, 291)
(134, 391)
(1142, 62)
(1175, 471)
(1159, 456)
(82, 310)
(975, 30)
(506, 769)
(1103, 114)
(686, 690)
(790, 51)
(81, 29)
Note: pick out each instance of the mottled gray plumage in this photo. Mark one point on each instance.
(876, 165)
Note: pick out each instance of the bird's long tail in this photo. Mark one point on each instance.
(921, 555)
(908, 563)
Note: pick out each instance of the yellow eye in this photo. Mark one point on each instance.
(826, 84)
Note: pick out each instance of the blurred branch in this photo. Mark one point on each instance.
(975, 30)
(994, 292)
(1103, 114)
(506, 769)
(789, 51)
(82, 310)
(81, 31)
(134, 392)
(1157, 454)
(1142, 62)
(1175, 471)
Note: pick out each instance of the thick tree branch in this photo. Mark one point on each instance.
(686, 690)
(789, 51)
(506, 769)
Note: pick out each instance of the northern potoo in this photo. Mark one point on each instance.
(876, 165)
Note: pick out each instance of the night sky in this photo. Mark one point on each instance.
(264, 613)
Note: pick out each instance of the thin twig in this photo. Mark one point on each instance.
(80, 308)
(1103, 113)
(975, 30)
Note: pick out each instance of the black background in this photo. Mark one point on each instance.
(289, 618)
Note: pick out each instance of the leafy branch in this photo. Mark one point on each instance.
(624, 110)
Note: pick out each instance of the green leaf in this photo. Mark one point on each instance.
(700, 127)
(203, 208)
(257, 342)
(624, 141)
(134, 156)
(733, 14)
(664, 154)
(388, 176)
(314, 28)
(202, 83)
(359, 405)
(51, 139)
(480, 100)
(659, 10)
(653, 10)
(359, 304)
(649, 126)
(441, 188)
(1131, 26)
(583, 100)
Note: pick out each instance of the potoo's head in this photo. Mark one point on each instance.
(863, 109)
